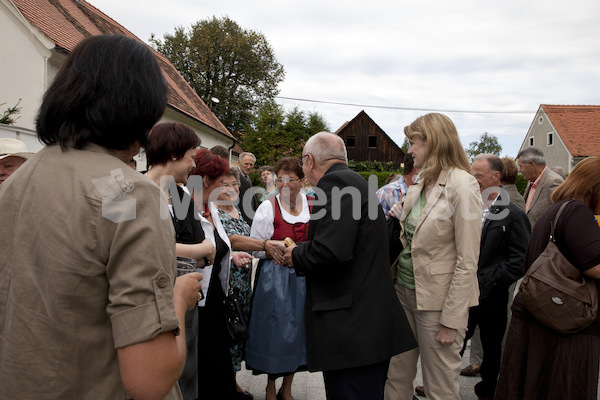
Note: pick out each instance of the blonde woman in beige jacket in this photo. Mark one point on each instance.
(437, 270)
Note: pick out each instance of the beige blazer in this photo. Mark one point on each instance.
(445, 246)
(542, 198)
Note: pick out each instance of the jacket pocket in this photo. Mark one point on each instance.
(337, 303)
(442, 267)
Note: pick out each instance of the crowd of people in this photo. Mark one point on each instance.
(92, 303)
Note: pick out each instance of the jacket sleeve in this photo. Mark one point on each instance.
(518, 239)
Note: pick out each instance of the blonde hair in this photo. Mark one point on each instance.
(583, 183)
(444, 149)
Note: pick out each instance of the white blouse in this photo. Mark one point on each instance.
(262, 224)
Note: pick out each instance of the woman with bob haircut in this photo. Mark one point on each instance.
(170, 154)
(216, 378)
(539, 363)
(437, 269)
(90, 256)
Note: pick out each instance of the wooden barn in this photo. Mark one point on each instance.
(366, 141)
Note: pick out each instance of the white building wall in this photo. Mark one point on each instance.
(23, 70)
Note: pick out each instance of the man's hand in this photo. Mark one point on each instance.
(287, 257)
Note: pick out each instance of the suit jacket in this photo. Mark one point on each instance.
(542, 198)
(353, 316)
(445, 246)
(515, 197)
(504, 239)
(245, 184)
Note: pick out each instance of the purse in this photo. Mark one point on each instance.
(236, 319)
(556, 293)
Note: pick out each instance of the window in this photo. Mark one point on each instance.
(372, 141)
(550, 139)
(350, 142)
(531, 141)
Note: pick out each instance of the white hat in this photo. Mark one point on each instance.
(13, 147)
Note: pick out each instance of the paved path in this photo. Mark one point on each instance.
(309, 386)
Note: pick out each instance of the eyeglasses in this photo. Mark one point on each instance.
(233, 184)
(300, 162)
(286, 179)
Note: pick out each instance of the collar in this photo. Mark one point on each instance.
(537, 181)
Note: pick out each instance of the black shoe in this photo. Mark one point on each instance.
(244, 395)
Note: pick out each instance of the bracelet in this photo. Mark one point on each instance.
(265, 245)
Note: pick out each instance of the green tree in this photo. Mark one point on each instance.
(405, 145)
(221, 60)
(487, 144)
(275, 133)
(7, 117)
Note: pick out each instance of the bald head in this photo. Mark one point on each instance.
(325, 147)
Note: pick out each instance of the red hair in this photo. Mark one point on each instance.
(209, 165)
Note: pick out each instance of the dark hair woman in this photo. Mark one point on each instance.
(215, 369)
(90, 256)
(170, 153)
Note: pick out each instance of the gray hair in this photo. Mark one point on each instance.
(494, 162)
(247, 153)
(235, 173)
(532, 154)
(325, 146)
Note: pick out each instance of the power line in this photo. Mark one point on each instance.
(406, 108)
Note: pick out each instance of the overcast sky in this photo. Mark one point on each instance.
(506, 57)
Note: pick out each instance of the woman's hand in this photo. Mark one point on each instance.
(276, 249)
(207, 250)
(241, 258)
(187, 289)
(446, 336)
(396, 210)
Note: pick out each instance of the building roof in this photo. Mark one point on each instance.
(67, 22)
(578, 127)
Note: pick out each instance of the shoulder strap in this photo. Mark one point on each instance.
(555, 222)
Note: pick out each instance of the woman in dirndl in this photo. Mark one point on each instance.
(277, 342)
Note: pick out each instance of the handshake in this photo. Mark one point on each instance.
(280, 251)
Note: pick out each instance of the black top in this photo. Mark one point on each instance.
(578, 239)
(215, 290)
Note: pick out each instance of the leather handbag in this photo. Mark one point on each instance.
(237, 321)
(556, 293)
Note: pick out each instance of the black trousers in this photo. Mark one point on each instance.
(359, 383)
(490, 315)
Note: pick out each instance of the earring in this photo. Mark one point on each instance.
(174, 158)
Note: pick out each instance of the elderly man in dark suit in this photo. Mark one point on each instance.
(504, 238)
(542, 182)
(246, 162)
(354, 321)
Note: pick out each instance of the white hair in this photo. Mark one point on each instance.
(325, 146)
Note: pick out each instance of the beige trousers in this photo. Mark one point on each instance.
(440, 364)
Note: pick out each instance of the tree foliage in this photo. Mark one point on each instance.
(7, 117)
(487, 144)
(274, 133)
(221, 60)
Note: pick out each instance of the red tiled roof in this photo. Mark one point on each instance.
(67, 22)
(578, 127)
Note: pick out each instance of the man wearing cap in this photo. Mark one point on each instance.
(13, 153)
